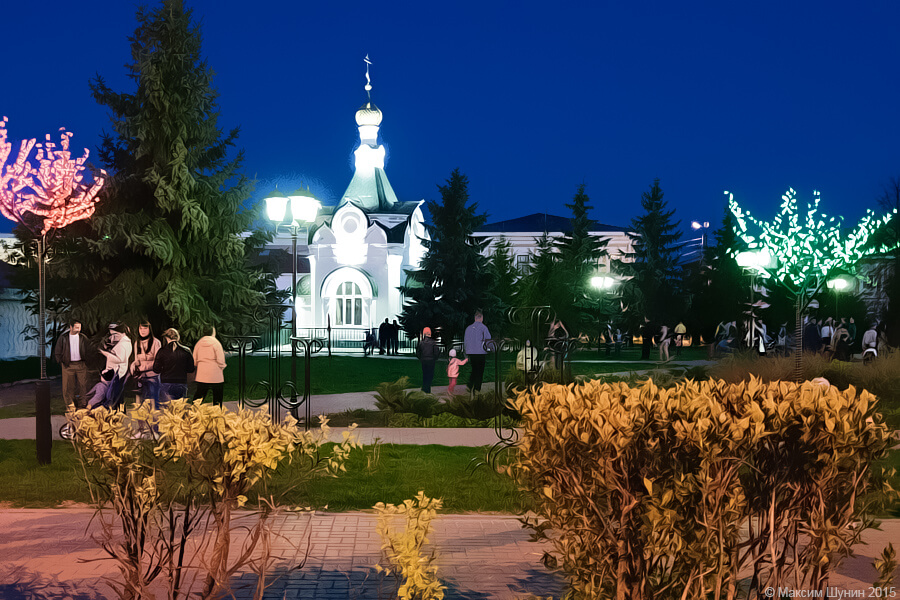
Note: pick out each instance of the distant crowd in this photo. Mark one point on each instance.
(102, 373)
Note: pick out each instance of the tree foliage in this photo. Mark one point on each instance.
(720, 289)
(504, 274)
(653, 287)
(454, 278)
(560, 272)
(166, 239)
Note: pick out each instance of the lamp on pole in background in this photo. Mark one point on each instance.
(702, 226)
(603, 284)
(303, 210)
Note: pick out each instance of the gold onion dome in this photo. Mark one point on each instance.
(368, 114)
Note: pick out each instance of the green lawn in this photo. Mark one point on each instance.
(383, 473)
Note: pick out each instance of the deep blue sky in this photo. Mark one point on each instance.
(529, 99)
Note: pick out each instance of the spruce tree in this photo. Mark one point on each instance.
(579, 253)
(653, 287)
(504, 275)
(166, 239)
(454, 278)
(720, 288)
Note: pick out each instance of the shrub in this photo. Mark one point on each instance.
(881, 377)
(669, 493)
(162, 493)
(394, 398)
(403, 550)
(477, 406)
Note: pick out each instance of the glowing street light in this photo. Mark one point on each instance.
(303, 210)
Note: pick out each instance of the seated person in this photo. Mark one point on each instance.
(370, 344)
(527, 358)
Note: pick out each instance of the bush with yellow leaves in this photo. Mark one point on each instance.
(204, 463)
(416, 571)
(703, 490)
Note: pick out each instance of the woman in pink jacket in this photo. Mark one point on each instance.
(209, 357)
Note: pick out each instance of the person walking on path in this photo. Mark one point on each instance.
(476, 335)
(72, 352)
(145, 349)
(173, 363)
(646, 339)
(453, 371)
(428, 353)
(209, 359)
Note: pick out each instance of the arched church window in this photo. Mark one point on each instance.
(349, 304)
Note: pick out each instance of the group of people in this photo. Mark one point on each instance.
(97, 374)
(428, 353)
(664, 336)
(387, 341)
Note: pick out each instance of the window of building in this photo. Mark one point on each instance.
(349, 304)
(523, 260)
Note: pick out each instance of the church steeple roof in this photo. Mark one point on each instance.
(369, 189)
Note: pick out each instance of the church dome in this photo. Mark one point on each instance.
(368, 114)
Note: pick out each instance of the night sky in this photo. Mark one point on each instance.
(529, 99)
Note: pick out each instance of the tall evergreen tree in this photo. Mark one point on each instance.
(454, 278)
(653, 287)
(166, 238)
(504, 275)
(579, 253)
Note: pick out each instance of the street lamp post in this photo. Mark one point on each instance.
(695, 225)
(601, 283)
(303, 210)
(756, 262)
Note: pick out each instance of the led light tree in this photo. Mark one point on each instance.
(805, 249)
(43, 195)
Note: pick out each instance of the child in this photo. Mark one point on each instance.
(453, 371)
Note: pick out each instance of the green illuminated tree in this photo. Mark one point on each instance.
(653, 287)
(806, 249)
(166, 240)
(454, 278)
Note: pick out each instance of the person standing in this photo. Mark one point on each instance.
(646, 339)
(209, 359)
(680, 332)
(476, 335)
(384, 338)
(173, 363)
(395, 338)
(428, 353)
(145, 349)
(72, 352)
(664, 340)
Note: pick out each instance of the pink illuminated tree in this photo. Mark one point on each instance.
(45, 194)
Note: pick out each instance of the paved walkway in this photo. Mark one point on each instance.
(325, 556)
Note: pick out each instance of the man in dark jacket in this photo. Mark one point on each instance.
(73, 351)
(646, 339)
(384, 337)
(428, 353)
(173, 363)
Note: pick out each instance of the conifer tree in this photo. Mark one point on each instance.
(166, 238)
(454, 278)
(503, 275)
(653, 289)
(579, 253)
(720, 288)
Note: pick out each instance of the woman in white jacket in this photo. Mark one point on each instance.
(209, 357)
